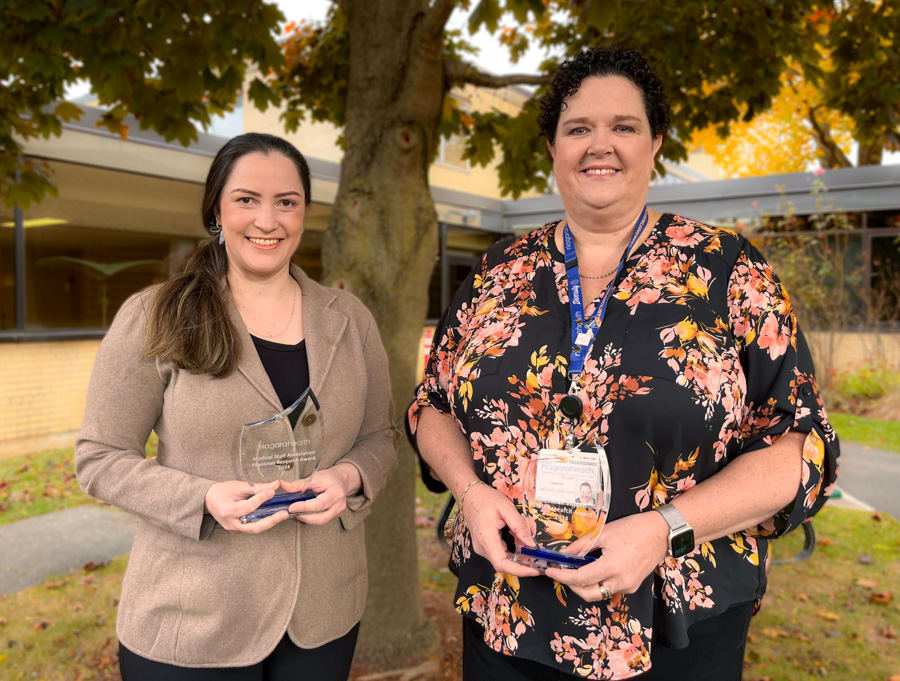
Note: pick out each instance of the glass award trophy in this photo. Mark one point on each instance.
(282, 447)
(566, 497)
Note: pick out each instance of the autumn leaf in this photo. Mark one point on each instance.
(829, 616)
(774, 632)
(825, 541)
(881, 597)
(802, 597)
(55, 585)
(52, 492)
(866, 583)
(40, 625)
(90, 566)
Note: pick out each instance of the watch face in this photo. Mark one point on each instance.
(682, 543)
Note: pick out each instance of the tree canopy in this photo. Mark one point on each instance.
(172, 66)
(819, 113)
(826, 67)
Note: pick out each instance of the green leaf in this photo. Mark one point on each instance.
(68, 111)
(486, 12)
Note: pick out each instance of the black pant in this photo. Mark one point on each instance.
(330, 662)
(715, 653)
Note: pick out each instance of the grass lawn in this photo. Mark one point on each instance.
(40, 483)
(63, 628)
(34, 484)
(836, 615)
(872, 432)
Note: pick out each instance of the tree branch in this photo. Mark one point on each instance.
(460, 72)
(439, 14)
(831, 152)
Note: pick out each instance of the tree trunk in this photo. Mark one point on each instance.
(870, 154)
(381, 245)
(829, 151)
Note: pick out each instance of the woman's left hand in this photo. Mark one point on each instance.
(632, 548)
(332, 487)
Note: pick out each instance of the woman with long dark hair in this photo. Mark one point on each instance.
(241, 334)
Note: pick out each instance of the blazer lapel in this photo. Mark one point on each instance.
(250, 365)
(323, 327)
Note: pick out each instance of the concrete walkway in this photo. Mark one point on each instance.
(871, 475)
(34, 549)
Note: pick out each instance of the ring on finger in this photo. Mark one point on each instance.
(605, 592)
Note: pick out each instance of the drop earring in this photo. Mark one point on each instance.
(221, 236)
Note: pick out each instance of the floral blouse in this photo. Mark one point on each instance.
(698, 360)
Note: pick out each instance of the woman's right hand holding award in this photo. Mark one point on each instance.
(231, 500)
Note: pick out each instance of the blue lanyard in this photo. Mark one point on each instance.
(584, 332)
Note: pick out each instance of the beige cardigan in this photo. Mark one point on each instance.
(194, 594)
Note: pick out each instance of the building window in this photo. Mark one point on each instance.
(7, 270)
(107, 235)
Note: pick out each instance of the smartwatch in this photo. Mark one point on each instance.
(681, 535)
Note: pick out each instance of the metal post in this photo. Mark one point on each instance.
(867, 269)
(19, 249)
(445, 269)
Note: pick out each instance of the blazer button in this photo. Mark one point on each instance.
(309, 419)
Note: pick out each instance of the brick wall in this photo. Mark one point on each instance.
(42, 393)
(43, 385)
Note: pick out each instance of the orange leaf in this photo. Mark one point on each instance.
(802, 597)
(828, 615)
(825, 541)
(881, 597)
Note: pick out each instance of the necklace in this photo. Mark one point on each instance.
(600, 276)
(606, 274)
(286, 326)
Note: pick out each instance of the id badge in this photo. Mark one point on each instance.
(567, 476)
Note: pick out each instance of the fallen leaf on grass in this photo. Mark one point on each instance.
(90, 566)
(881, 597)
(825, 541)
(23, 469)
(52, 492)
(866, 583)
(828, 615)
(802, 597)
(888, 632)
(55, 585)
(774, 632)
(876, 517)
(3, 657)
(41, 625)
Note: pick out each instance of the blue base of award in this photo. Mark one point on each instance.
(557, 559)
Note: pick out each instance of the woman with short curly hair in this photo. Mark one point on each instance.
(669, 345)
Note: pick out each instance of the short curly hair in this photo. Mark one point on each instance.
(605, 61)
